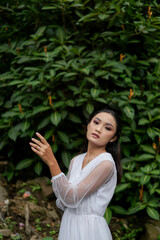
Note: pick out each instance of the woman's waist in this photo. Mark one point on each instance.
(88, 212)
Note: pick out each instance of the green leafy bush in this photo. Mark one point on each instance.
(59, 61)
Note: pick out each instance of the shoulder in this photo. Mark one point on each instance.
(106, 156)
(107, 160)
(80, 156)
(77, 158)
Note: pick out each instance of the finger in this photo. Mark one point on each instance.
(37, 142)
(36, 151)
(43, 140)
(35, 146)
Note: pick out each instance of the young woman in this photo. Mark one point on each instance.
(87, 189)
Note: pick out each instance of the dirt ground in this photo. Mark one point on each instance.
(27, 213)
(30, 213)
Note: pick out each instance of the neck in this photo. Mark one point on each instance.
(93, 150)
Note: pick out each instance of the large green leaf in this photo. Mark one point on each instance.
(70, 103)
(38, 168)
(74, 118)
(10, 176)
(144, 179)
(95, 92)
(55, 118)
(43, 123)
(89, 108)
(14, 132)
(151, 133)
(25, 125)
(155, 172)
(119, 210)
(158, 191)
(16, 82)
(39, 109)
(153, 213)
(63, 136)
(129, 111)
(145, 157)
(88, 17)
(24, 163)
(148, 149)
(108, 215)
(158, 158)
(138, 207)
(66, 158)
(146, 169)
(122, 187)
(60, 35)
(48, 134)
(153, 203)
(85, 70)
(39, 33)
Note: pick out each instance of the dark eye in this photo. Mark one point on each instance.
(95, 122)
(109, 129)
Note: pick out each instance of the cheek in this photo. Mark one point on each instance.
(108, 136)
(88, 130)
(89, 127)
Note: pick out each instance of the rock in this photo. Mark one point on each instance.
(17, 206)
(34, 237)
(42, 193)
(4, 194)
(46, 190)
(152, 230)
(5, 232)
(35, 208)
(4, 208)
(53, 214)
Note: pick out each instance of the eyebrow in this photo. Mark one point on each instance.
(105, 123)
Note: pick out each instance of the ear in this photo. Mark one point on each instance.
(113, 139)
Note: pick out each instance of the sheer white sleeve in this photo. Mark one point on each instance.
(71, 195)
(59, 204)
(70, 167)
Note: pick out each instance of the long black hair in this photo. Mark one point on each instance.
(112, 147)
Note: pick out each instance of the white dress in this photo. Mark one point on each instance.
(83, 195)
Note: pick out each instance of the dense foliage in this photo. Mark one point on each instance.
(62, 59)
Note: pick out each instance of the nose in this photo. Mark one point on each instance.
(98, 129)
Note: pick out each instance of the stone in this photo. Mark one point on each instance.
(152, 230)
(34, 237)
(17, 206)
(5, 232)
(46, 189)
(53, 214)
(4, 208)
(3, 194)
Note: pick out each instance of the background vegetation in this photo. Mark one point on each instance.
(62, 59)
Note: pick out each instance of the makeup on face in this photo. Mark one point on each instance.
(101, 129)
(98, 120)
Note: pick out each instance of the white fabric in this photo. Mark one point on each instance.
(83, 196)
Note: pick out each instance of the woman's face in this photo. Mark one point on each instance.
(101, 130)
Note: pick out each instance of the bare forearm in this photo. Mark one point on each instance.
(54, 168)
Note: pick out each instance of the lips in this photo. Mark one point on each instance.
(95, 135)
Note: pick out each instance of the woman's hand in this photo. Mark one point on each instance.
(43, 150)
